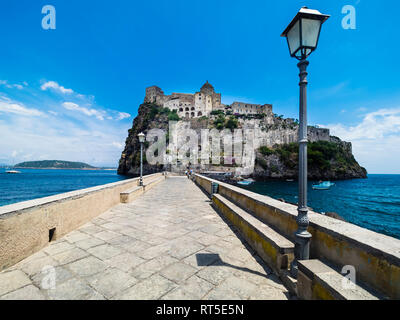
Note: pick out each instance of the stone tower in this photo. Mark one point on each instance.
(207, 88)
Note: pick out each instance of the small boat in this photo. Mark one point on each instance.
(289, 180)
(13, 171)
(323, 185)
(245, 182)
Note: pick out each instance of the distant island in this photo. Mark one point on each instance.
(54, 164)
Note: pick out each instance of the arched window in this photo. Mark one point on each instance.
(180, 109)
(187, 115)
(199, 114)
(186, 109)
(192, 108)
(192, 114)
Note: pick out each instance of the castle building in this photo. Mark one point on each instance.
(201, 103)
(250, 108)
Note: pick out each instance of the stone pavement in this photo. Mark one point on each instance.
(167, 244)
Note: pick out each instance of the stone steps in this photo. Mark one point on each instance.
(318, 281)
(132, 193)
(151, 183)
(315, 281)
(276, 250)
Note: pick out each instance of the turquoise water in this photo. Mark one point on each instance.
(34, 183)
(372, 203)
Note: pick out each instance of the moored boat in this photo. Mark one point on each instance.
(323, 185)
(13, 171)
(245, 182)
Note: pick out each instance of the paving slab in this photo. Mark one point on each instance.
(112, 282)
(12, 280)
(87, 266)
(29, 292)
(152, 288)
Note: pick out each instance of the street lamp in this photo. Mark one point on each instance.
(302, 36)
(142, 138)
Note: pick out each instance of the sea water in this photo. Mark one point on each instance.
(38, 183)
(372, 203)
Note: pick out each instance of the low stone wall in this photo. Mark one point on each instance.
(376, 257)
(317, 281)
(25, 226)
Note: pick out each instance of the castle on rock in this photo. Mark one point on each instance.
(201, 103)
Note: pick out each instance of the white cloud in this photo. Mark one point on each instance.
(7, 106)
(12, 85)
(376, 140)
(123, 115)
(375, 125)
(89, 141)
(55, 86)
(27, 133)
(89, 112)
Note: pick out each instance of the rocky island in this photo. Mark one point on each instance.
(276, 150)
(53, 164)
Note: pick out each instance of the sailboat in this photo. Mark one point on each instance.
(8, 170)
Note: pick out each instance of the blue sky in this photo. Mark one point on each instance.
(72, 93)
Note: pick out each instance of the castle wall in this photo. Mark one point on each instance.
(200, 103)
(152, 93)
(250, 108)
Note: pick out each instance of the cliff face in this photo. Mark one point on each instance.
(275, 148)
(147, 119)
(327, 160)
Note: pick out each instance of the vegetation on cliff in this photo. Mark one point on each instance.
(149, 116)
(326, 160)
(222, 123)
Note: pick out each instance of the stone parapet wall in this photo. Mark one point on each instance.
(375, 257)
(25, 226)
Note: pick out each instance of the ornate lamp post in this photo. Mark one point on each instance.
(302, 36)
(142, 138)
